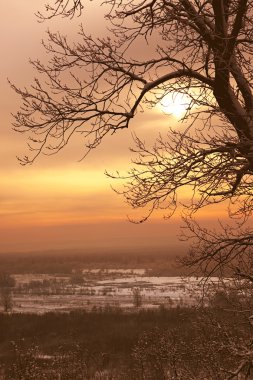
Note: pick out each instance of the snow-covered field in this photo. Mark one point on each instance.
(39, 293)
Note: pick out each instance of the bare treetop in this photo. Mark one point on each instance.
(65, 8)
(96, 87)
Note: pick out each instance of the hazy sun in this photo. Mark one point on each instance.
(175, 104)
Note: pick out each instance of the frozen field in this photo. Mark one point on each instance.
(96, 288)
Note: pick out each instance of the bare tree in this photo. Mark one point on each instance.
(94, 87)
(195, 48)
(6, 284)
(224, 252)
(64, 8)
(212, 350)
(137, 297)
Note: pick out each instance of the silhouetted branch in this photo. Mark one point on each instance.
(65, 8)
(228, 250)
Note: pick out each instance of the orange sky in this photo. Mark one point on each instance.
(59, 202)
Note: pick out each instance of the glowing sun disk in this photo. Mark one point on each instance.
(175, 104)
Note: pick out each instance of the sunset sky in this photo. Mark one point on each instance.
(60, 201)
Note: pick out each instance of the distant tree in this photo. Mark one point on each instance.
(6, 299)
(225, 300)
(137, 297)
(6, 280)
(76, 279)
(6, 284)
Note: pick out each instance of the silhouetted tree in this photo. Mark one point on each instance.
(198, 50)
(201, 50)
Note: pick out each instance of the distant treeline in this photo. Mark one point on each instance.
(106, 330)
(159, 263)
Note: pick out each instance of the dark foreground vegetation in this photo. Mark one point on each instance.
(109, 344)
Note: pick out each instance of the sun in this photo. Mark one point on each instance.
(175, 104)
